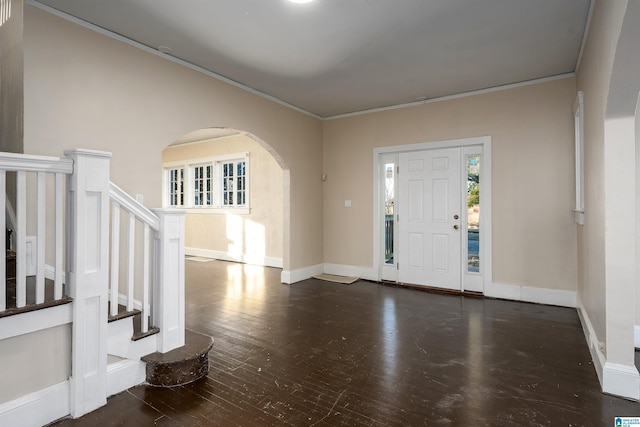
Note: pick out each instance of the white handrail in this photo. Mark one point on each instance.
(131, 205)
(31, 163)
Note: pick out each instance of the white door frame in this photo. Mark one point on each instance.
(485, 211)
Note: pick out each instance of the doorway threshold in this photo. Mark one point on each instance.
(432, 289)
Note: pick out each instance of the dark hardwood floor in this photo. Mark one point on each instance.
(321, 353)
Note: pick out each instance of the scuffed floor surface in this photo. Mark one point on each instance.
(321, 353)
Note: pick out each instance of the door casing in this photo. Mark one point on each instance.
(473, 282)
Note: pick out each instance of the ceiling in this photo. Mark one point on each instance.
(332, 57)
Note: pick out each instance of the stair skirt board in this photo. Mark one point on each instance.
(38, 408)
(124, 374)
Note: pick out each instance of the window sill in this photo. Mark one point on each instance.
(219, 211)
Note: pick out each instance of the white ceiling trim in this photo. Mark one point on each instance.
(219, 77)
(585, 34)
(156, 52)
(456, 96)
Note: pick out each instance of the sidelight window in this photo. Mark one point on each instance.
(473, 214)
(389, 186)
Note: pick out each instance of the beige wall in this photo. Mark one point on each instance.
(531, 129)
(34, 361)
(11, 80)
(593, 79)
(83, 89)
(259, 233)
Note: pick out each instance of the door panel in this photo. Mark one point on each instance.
(439, 253)
(416, 251)
(416, 200)
(430, 195)
(439, 200)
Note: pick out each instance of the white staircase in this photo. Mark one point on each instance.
(86, 265)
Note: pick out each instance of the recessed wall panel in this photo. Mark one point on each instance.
(93, 230)
(92, 331)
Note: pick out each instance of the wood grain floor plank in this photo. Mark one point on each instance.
(322, 354)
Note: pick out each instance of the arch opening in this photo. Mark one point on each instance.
(235, 189)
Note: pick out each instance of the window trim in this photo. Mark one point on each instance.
(215, 162)
(192, 189)
(578, 119)
(166, 181)
(220, 175)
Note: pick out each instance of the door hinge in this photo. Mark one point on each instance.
(397, 266)
(398, 218)
(397, 169)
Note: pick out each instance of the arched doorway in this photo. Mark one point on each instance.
(234, 187)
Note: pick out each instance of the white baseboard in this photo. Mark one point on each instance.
(558, 297)
(124, 374)
(350, 270)
(244, 258)
(37, 409)
(621, 380)
(636, 336)
(293, 276)
(616, 379)
(596, 347)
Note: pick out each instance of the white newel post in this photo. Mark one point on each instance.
(88, 274)
(168, 291)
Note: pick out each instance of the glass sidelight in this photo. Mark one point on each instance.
(473, 214)
(389, 183)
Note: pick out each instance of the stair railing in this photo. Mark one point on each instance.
(120, 200)
(40, 167)
(80, 209)
(161, 285)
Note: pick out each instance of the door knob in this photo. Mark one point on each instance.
(456, 216)
(455, 227)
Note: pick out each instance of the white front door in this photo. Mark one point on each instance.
(429, 221)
